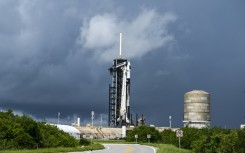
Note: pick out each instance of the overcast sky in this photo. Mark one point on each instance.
(55, 55)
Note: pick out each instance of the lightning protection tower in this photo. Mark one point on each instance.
(119, 91)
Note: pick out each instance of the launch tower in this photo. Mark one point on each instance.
(119, 92)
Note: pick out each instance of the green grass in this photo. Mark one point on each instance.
(95, 146)
(168, 148)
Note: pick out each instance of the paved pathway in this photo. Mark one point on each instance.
(124, 148)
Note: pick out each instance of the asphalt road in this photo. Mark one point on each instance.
(124, 148)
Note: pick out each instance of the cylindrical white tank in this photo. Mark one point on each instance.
(197, 109)
(123, 131)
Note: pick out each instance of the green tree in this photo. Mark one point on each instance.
(228, 142)
(168, 137)
(240, 145)
(142, 132)
(189, 135)
(18, 132)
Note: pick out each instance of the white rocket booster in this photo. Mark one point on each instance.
(128, 77)
(128, 70)
(124, 94)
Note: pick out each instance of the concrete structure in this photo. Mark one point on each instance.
(197, 109)
(107, 133)
(160, 129)
(99, 132)
(242, 126)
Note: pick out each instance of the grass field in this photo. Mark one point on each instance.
(95, 146)
(167, 148)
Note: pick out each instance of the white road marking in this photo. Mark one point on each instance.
(154, 149)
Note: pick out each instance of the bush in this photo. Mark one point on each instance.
(206, 140)
(217, 140)
(240, 145)
(142, 132)
(168, 137)
(189, 135)
(19, 132)
(84, 142)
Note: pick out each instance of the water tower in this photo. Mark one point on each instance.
(197, 109)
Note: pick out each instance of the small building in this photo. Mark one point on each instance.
(69, 129)
(242, 126)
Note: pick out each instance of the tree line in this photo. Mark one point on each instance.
(22, 132)
(206, 140)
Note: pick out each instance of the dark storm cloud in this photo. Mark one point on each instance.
(41, 62)
(48, 67)
(208, 55)
(54, 56)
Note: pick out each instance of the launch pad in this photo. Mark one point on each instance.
(119, 92)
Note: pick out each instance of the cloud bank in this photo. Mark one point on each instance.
(146, 32)
(48, 49)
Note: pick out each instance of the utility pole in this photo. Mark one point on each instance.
(101, 120)
(170, 122)
(92, 118)
(58, 117)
